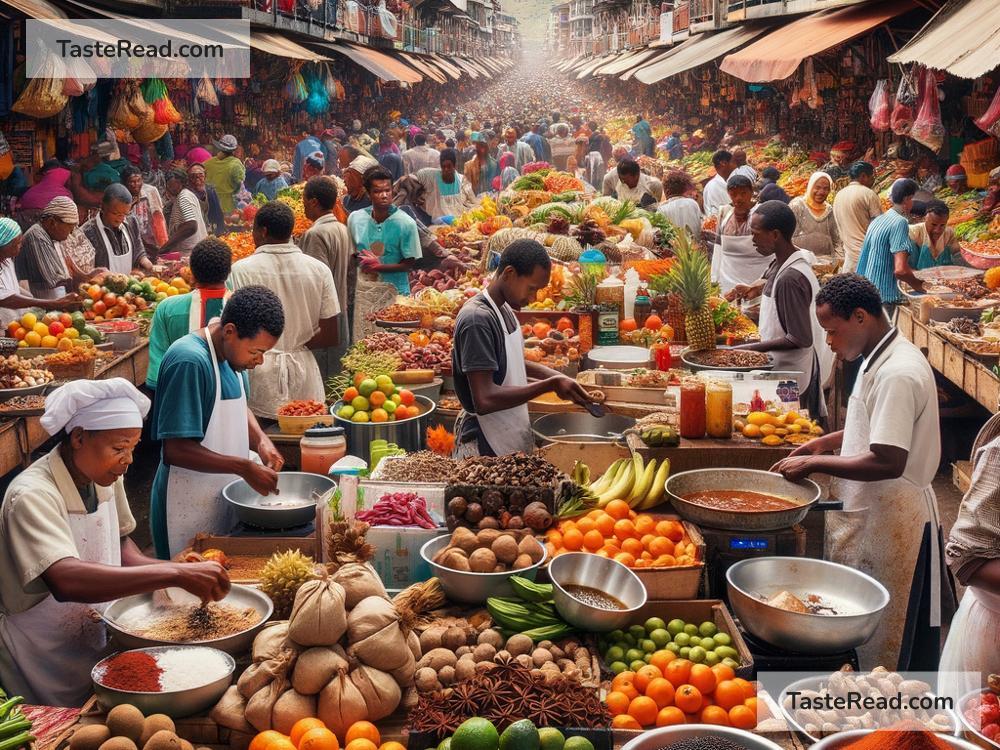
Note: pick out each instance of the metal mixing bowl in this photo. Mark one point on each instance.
(689, 358)
(603, 574)
(251, 507)
(654, 739)
(473, 588)
(805, 492)
(866, 598)
(142, 604)
(173, 703)
(580, 427)
(843, 739)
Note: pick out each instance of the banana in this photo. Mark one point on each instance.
(658, 490)
(607, 477)
(621, 486)
(643, 484)
(581, 473)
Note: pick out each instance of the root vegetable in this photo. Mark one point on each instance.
(482, 561)
(446, 676)
(484, 652)
(439, 657)
(540, 656)
(463, 651)
(430, 639)
(519, 644)
(125, 720)
(465, 539)
(454, 638)
(465, 669)
(505, 549)
(486, 537)
(522, 562)
(492, 637)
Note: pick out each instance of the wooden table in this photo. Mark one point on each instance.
(21, 436)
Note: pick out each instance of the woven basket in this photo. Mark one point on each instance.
(79, 371)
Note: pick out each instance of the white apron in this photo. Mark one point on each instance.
(55, 644)
(797, 360)
(194, 501)
(509, 430)
(735, 260)
(116, 263)
(9, 285)
(439, 205)
(880, 531)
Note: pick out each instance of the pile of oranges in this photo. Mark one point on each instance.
(313, 734)
(52, 330)
(670, 690)
(240, 244)
(636, 540)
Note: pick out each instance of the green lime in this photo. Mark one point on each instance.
(697, 654)
(731, 663)
(708, 644)
(630, 639)
(647, 645)
(637, 665)
(675, 626)
(615, 653)
(707, 629)
(726, 651)
(691, 629)
(660, 636)
(389, 406)
(360, 403)
(633, 654)
(682, 639)
(712, 658)
(445, 744)
(367, 387)
(521, 735)
(685, 652)
(346, 411)
(655, 623)
(551, 738)
(578, 743)
(673, 648)
(638, 632)
(616, 635)
(722, 639)
(648, 658)
(618, 667)
(475, 734)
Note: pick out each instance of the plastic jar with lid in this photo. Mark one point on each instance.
(321, 448)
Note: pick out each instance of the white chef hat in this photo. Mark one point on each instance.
(111, 404)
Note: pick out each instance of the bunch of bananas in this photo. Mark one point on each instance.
(641, 485)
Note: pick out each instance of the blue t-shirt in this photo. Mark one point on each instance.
(887, 235)
(398, 235)
(185, 395)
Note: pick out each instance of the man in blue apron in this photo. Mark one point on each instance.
(492, 379)
(889, 452)
(208, 432)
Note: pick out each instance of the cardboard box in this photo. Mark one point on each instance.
(397, 553)
(249, 554)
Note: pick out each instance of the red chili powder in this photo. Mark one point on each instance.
(134, 671)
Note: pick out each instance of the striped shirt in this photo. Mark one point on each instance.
(975, 537)
(887, 235)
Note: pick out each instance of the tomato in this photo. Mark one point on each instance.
(94, 292)
(66, 319)
(628, 325)
(110, 299)
(100, 307)
(56, 328)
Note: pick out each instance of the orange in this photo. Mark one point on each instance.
(648, 540)
(723, 672)
(632, 546)
(302, 726)
(749, 691)
(593, 540)
(670, 716)
(13, 326)
(32, 339)
(624, 529)
(605, 524)
(646, 675)
(661, 659)
(376, 399)
(586, 524)
(282, 743)
(742, 717)
(361, 744)
(661, 546)
(673, 530)
(602, 553)
(391, 746)
(687, 698)
(407, 397)
(757, 709)
(265, 738)
(628, 325)
(642, 563)
(625, 559)
(643, 709)
(350, 394)
(596, 513)
(617, 703)
(363, 730)
(624, 721)
(644, 524)
(715, 715)
(728, 693)
(665, 561)
(554, 538)
(320, 738)
(617, 509)
(380, 415)
(573, 539)
(678, 671)
(703, 678)
(661, 691)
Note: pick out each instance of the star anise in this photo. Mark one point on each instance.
(505, 716)
(466, 699)
(546, 712)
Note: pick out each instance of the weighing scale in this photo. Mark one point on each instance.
(724, 548)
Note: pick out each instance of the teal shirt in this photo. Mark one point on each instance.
(170, 323)
(398, 235)
(185, 394)
(921, 256)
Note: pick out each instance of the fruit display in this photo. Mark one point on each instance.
(634, 539)
(376, 400)
(489, 551)
(671, 690)
(301, 409)
(690, 278)
(54, 330)
(499, 507)
(119, 296)
(21, 373)
(541, 340)
(479, 733)
(240, 243)
(778, 429)
(634, 648)
(292, 197)
(311, 733)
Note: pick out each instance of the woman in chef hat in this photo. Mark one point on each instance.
(64, 545)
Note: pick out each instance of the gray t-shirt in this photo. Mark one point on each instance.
(478, 345)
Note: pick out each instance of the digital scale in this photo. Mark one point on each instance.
(724, 548)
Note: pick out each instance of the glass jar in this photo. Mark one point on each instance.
(642, 310)
(321, 448)
(719, 409)
(692, 408)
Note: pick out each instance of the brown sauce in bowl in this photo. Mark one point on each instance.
(741, 501)
(594, 597)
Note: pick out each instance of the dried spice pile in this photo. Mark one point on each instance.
(422, 466)
(504, 693)
(514, 470)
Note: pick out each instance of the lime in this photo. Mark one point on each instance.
(712, 658)
(633, 654)
(521, 735)
(726, 651)
(707, 629)
(637, 665)
(675, 626)
(685, 652)
(706, 643)
(551, 738)
(618, 667)
(389, 406)
(384, 383)
(697, 655)
(616, 635)
(731, 663)
(682, 639)
(655, 623)
(475, 734)
(648, 658)
(638, 632)
(630, 639)
(660, 636)
(722, 639)
(578, 743)
(445, 744)
(673, 648)
(691, 629)
(360, 403)
(346, 411)
(647, 645)
(613, 654)
(360, 417)
(367, 387)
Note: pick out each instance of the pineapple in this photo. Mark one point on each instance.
(690, 279)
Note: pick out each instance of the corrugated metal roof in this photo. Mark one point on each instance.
(698, 50)
(962, 38)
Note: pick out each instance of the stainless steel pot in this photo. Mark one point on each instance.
(408, 434)
(608, 576)
(299, 489)
(655, 739)
(469, 587)
(580, 427)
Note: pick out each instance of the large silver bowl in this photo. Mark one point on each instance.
(298, 487)
(603, 574)
(135, 607)
(968, 730)
(655, 739)
(863, 599)
(174, 703)
(581, 427)
(805, 492)
(843, 739)
(688, 358)
(473, 588)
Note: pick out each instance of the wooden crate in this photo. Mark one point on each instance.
(679, 581)
(253, 551)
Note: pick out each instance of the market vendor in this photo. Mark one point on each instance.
(715, 194)
(956, 179)
(816, 227)
(933, 241)
(116, 235)
(493, 381)
(991, 203)
(789, 330)
(208, 432)
(357, 198)
(44, 261)
(735, 260)
(64, 543)
(634, 185)
(890, 448)
(446, 193)
(482, 168)
(13, 299)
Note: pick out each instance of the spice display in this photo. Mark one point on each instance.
(499, 507)
(135, 671)
(906, 735)
(422, 466)
(301, 409)
(162, 671)
(398, 509)
(192, 623)
(21, 373)
(489, 551)
(723, 358)
(23, 403)
(517, 470)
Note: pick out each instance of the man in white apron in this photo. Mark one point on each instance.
(446, 193)
(889, 452)
(64, 545)
(492, 379)
(795, 340)
(735, 260)
(208, 432)
(115, 234)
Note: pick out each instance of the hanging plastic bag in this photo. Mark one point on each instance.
(79, 79)
(387, 21)
(318, 101)
(878, 107)
(205, 92)
(295, 88)
(990, 121)
(6, 158)
(352, 17)
(902, 113)
(928, 128)
(43, 96)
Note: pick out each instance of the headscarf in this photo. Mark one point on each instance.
(10, 230)
(955, 173)
(506, 160)
(63, 209)
(197, 155)
(818, 209)
(362, 164)
(111, 404)
(271, 166)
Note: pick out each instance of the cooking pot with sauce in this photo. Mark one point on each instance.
(741, 499)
